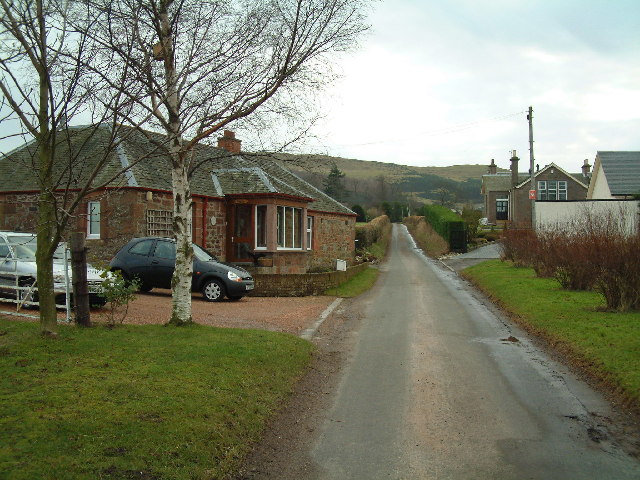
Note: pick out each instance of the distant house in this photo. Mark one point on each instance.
(247, 208)
(506, 195)
(612, 195)
(616, 175)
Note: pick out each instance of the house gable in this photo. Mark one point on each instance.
(551, 168)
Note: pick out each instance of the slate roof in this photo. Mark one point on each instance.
(622, 170)
(500, 182)
(143, 155)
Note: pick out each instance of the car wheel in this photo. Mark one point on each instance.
(235, 298)
(213, 291)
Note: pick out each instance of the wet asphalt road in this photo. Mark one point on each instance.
(439, 387)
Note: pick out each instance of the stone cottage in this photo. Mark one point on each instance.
(247, 208)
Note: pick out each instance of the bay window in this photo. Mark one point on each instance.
(289, 226)
(261, 227)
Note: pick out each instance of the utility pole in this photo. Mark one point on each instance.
(533, 194)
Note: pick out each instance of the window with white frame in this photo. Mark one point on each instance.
(309, 233)
(289, 228)
(261, 227)
(93, 220)
(552, 190)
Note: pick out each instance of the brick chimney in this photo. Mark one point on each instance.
(493, 168)
(586, 168)
(514, 168)
(229, 142)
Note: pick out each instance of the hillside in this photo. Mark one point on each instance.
(371, 183)
(365, 169)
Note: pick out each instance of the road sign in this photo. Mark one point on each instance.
(532, 194)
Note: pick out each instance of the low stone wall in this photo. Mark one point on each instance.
(300, 285)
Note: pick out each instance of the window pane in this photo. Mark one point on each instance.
(281, 227)
(562, 190)
(261, 228)
(309, 232)
(297, 228)
(142, 248)
(165, 250)
(94, 219)
(288, 229)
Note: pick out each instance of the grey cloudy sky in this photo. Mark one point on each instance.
(449, 82)
(445, 82)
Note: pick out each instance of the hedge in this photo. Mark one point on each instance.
(370, 233)
(448, 224)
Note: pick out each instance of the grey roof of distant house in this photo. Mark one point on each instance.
(218, 173)
(500, 182)
(622, 170)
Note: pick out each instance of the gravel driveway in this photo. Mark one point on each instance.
(282, 314)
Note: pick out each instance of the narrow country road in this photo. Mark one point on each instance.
(439, 387)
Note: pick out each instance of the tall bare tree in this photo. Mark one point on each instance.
(205, 64)
(44, 84)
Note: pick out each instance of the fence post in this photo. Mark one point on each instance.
(80, 287)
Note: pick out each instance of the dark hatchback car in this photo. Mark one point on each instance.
(152, 260)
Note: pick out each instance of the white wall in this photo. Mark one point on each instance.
(553, 215)
(599, 187)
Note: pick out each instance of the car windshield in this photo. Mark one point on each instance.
(202, 255)
(24, 247)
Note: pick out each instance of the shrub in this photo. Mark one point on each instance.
(592, 252)
(371, 232)
(373, 239)
(520, 247)
(471, 218)
(118, 292)
(426, 237)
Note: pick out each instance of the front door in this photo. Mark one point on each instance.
(242, 233)
(502, 209)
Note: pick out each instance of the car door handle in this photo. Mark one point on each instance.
(155, 262)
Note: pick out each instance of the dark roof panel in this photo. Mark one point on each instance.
(143, 154)
(622, 170)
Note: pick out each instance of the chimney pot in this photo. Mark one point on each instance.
(229, 142)
(514, 168)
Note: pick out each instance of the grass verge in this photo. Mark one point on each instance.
(356, 285)
(603, 344)
(145, 402)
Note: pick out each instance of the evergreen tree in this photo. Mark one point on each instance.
(358, 210)
(333, 184)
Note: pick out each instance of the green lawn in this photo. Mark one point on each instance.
(605, 344)
(356, 285)
(140, 402)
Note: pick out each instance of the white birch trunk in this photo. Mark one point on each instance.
(181, 281)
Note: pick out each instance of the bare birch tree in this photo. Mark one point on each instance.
(205, 64)
(44, 84)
